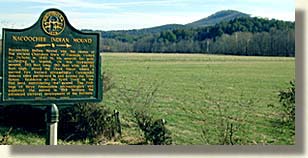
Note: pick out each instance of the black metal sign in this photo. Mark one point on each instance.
(50, 62)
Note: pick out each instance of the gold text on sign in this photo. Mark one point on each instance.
(28, 38)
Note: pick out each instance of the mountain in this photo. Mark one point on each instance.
(225, 15)
(226, 32)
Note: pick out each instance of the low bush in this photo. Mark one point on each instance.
(87, 121)
(140, 101)
(287, 100)
(154, 131)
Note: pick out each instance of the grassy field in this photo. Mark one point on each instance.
(192, 89)
(202, 94)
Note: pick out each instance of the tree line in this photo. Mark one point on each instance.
(241, 36)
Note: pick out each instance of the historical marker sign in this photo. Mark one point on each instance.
(50, 62)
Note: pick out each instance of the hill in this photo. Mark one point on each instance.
(240, 36)
(221, 16)
(225, 32)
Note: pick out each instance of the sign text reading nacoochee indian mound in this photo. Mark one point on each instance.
(50, 61)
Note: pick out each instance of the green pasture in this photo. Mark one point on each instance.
(192, 87)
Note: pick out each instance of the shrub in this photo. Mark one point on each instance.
(154, 132)
(87, 121)
(140, 101)
(287, 100)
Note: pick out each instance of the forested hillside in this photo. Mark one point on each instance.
(242, 35)
(225, 15)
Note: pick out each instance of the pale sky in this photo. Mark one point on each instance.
(129, 14)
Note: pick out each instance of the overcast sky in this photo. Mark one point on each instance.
(129, 14)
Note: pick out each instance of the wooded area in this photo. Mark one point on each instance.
(240, 36)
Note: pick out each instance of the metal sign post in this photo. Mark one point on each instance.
(52, 119)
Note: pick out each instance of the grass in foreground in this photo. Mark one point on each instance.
(192, 89)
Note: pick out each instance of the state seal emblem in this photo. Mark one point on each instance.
(53, 23)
